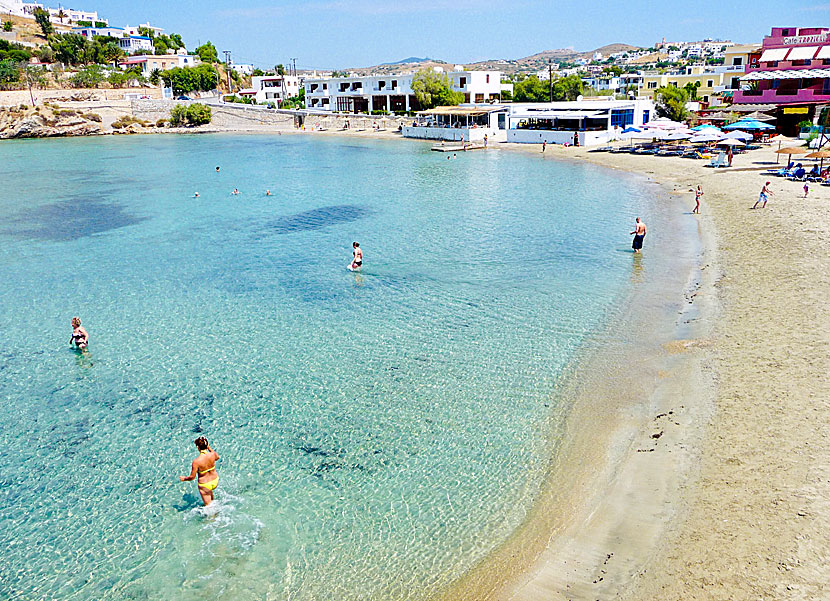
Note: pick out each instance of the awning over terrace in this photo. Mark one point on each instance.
(774, 54)
(790, 74)
(803, 53)
(461, 111)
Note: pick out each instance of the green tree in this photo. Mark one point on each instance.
(531, 89)
(691, 90)
(111, 52)
(280, 69)
(61, 15)
(506, 95)
(207, 52)
(68, 48)
(434, 89)
(160, 46)
(88, 77)
(42, 18)
(568, 88)
(155, 76)
(188, 79)
(670, 102)
(8, 25)
(9, 73)
(258, 73)
(195, 115)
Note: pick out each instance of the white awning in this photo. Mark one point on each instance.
(774, 54)
(803, 53)
(789, 74)
(824, 52)
(557, 114)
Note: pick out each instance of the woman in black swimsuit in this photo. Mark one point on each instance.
(80, 338)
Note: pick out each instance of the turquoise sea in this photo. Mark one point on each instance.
(380, 432)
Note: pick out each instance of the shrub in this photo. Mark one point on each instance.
(161, 122)
(178, 116)
(92, 117)
(88, 77)
(198, 114)
(125, 121)
(7, 25)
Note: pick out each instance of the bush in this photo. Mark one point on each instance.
(161, 122)
(92, 117)
(88, 77)
(192, 115)
(7, 25)
(127, 120)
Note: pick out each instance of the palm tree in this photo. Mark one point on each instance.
(61, 15)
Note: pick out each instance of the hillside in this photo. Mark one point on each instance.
(527, 64)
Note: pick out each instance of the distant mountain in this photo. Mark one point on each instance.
(412, 60)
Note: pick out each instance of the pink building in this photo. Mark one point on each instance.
(792, 73)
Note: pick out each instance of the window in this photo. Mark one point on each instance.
(673, 83)
(710, 83)
(652, 85)
(488, 79)
(622, 117)
(738, 61)
(394, 84)
(825, 89)
(462, 82)
(646, 117)
(772, 64)
(705, 99)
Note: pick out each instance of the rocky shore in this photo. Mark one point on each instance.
(45, 121)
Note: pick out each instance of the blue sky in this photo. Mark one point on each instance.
(353, 33)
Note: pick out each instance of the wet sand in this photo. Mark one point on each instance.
(732, 501)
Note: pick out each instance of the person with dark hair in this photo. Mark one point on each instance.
(357, 261)
(204, 467)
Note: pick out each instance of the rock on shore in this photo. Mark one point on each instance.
(47, 122)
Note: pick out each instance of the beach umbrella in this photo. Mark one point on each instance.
(705, 137)
(738, 135)
(749, 124)
(664, 123)
(731, 142)
(677, 135)
(779, 138)
(759, 116)
(819, 154)
(706, 127)
(790, 151)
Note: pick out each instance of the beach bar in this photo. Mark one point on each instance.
(458, 123)
(582, 122)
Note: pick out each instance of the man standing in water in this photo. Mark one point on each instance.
(639, 233)
(357, 261)
(204, 466)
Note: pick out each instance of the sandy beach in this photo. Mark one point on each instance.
(732, 503)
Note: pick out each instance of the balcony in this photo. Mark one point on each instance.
(785, 96)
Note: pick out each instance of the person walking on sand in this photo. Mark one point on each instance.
(698, 194)
(544, 145)
(204, 467)
(764, 196)
(806, 189)
(729, 155)
(639, 233)
(80, 338)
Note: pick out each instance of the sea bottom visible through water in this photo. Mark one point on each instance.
(380, 432)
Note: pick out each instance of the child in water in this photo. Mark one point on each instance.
(80, 338)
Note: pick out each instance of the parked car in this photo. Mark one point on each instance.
(183, 97)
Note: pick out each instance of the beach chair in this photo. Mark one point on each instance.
(718, 161)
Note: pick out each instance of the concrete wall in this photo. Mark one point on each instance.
(356, 122)
(451, 134)
(537, 136)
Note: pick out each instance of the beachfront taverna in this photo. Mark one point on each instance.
(586, 122)
(393, 93)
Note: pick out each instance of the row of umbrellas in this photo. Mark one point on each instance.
(666, 129)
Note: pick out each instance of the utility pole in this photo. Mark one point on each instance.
(550, 79)
(227, 54)
(294, 60)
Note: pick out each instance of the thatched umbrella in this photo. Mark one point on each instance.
(759, 116)
(819, 154)
(790, 151)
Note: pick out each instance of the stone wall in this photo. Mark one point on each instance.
(223, 115)
(337, 121)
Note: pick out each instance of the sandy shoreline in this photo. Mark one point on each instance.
(744, 516)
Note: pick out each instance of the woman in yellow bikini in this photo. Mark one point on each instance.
(205, 467)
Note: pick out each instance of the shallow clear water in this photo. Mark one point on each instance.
(379, 432)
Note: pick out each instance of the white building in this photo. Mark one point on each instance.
(67, 16)
(136, 30)
(588, 122)
(273, 89)
(393, 93)
(135, 43)
(163, 62)
(128, 43)
(464, 123)
(603, 83)
(242, 68)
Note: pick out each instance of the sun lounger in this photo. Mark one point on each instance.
(718, 161)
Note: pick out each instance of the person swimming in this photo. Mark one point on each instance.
(196, 195)
(217, 170)
(357, 261)
(235, 192)
(268, 193)
(204, 467)
(80, 338)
